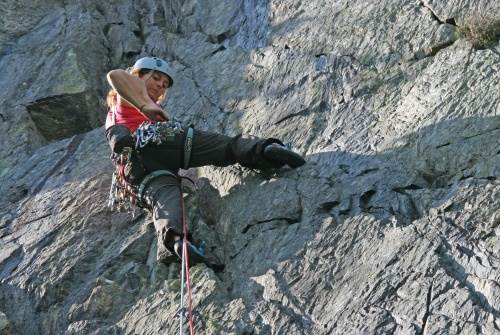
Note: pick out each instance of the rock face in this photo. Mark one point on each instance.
(392, 226)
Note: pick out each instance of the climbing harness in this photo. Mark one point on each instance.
(123, 195)
(148, 179)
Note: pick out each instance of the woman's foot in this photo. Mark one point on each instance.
(283, 154)
(197, 255)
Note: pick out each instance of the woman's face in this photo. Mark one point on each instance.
(156, 84)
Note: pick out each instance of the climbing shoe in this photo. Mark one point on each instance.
(283, 154)
(197, 255)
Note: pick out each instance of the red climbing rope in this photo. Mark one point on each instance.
(185, 255)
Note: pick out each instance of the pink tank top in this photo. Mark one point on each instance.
(125, 115)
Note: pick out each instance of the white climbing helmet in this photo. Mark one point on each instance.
(154, 63)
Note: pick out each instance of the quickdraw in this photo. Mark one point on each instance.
(122, 195)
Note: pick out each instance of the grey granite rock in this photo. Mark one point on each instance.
(5, 325)
(392, 226)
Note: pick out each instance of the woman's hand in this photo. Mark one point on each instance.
(133, 90)
(154, 113)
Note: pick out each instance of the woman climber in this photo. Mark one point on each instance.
(149, 149)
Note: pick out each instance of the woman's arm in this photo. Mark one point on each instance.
(133, 89)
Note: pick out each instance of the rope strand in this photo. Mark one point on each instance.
(185, 263)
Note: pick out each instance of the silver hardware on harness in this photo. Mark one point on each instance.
(158, 133)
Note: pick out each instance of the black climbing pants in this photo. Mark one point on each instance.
(163, 195)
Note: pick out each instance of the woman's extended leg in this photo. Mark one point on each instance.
(220, 150)
(210, 148)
